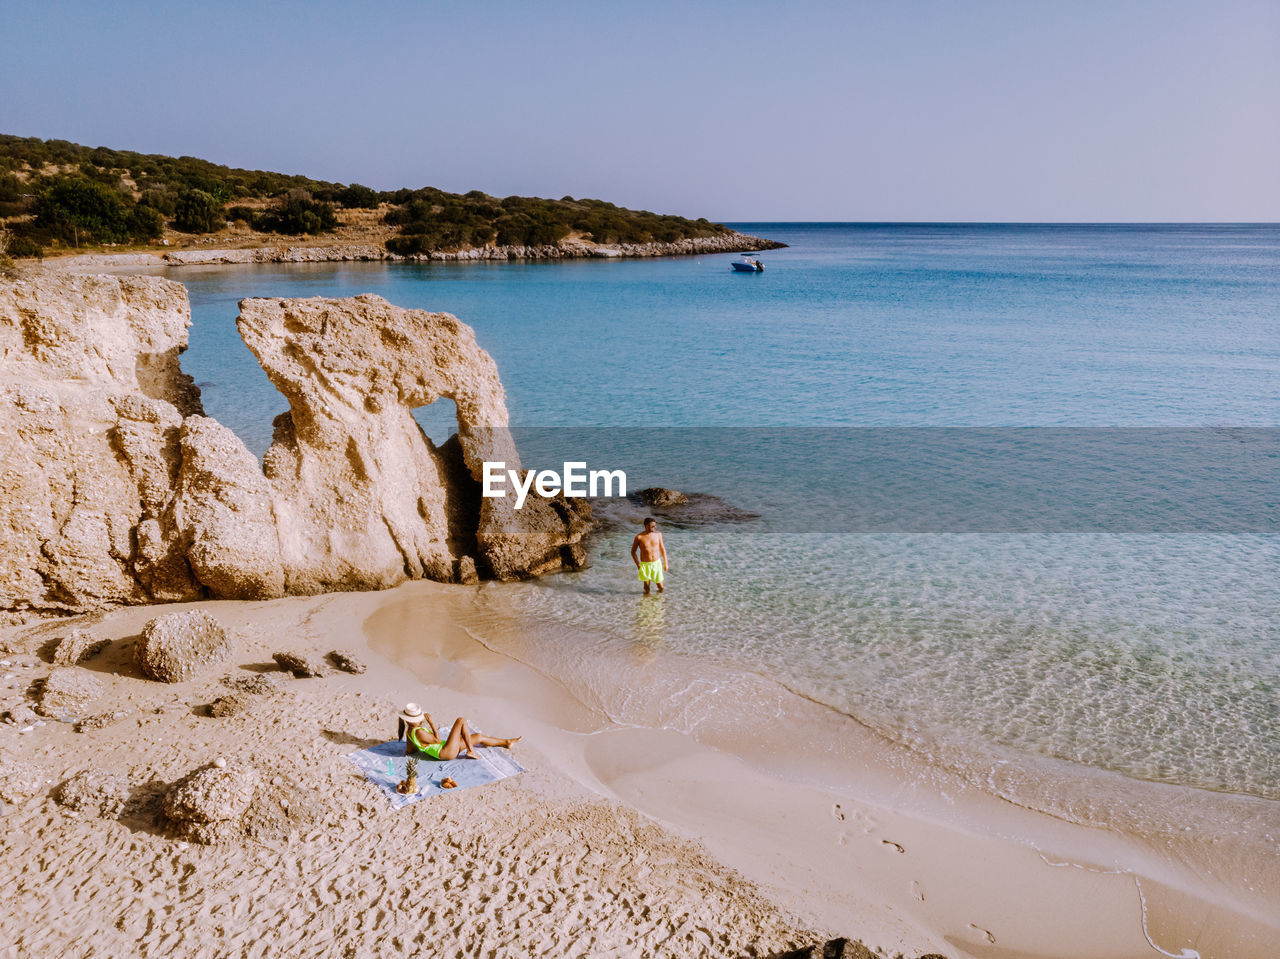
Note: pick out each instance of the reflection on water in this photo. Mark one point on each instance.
(649, 636)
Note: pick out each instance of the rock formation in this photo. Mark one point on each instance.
(177, 646)
(299, 665)
(77, 646)
(209, 805)
(91, 395)
(116, 489)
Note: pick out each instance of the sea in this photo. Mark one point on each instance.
(1011, 491)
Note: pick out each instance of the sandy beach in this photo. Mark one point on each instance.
(619, 840)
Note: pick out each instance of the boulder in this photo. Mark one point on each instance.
(77, 646)
(659, 497)
(299, 665)
(68, 692)
(346, 662)
(209, 804)
(102, 794)
(176, 646)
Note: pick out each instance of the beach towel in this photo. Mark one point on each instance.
(384, 766)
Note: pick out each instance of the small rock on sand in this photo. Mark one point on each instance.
(346, 662)
(174, 647)
(231, 705)
(466, 572)
(99, 793)
(67, 692)
(300, 666)
(21, 715)
(20, 780)
(259, 684)
(101, 720)
(78, 646)
(209, 805)
(840, 948)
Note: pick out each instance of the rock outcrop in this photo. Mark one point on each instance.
(175, 647)
(91, 398)
(116, 489)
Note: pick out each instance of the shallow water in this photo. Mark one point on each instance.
(1154, 654)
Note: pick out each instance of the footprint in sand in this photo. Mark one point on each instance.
(990, 938)
(837, 813)
(916, 890)
(891, 843)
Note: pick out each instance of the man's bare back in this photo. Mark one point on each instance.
(650, 555)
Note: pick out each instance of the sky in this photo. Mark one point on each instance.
(1125, 110)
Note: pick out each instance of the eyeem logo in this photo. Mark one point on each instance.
(575, 482)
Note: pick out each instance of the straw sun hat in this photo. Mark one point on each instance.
(412, 714)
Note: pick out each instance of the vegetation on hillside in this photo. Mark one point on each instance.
(55, 194)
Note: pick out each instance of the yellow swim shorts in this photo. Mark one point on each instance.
(651, 572)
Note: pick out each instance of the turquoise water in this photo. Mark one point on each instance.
(1154, 655)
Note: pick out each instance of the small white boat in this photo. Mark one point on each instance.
(747, 264)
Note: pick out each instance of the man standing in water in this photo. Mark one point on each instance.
(646, 549)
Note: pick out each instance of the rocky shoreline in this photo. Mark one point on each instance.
(368, 252)
(117, 489)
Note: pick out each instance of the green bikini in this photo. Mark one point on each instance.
(432, 750)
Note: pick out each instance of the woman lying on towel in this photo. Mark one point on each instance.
(422, 737)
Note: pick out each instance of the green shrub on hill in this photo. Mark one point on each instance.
(84, 195)
(199, 212)
(77, 210)
(297, 212)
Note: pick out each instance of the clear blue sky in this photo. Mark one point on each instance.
(908, 110)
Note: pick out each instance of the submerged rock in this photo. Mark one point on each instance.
(175, 647)
(660, 497)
